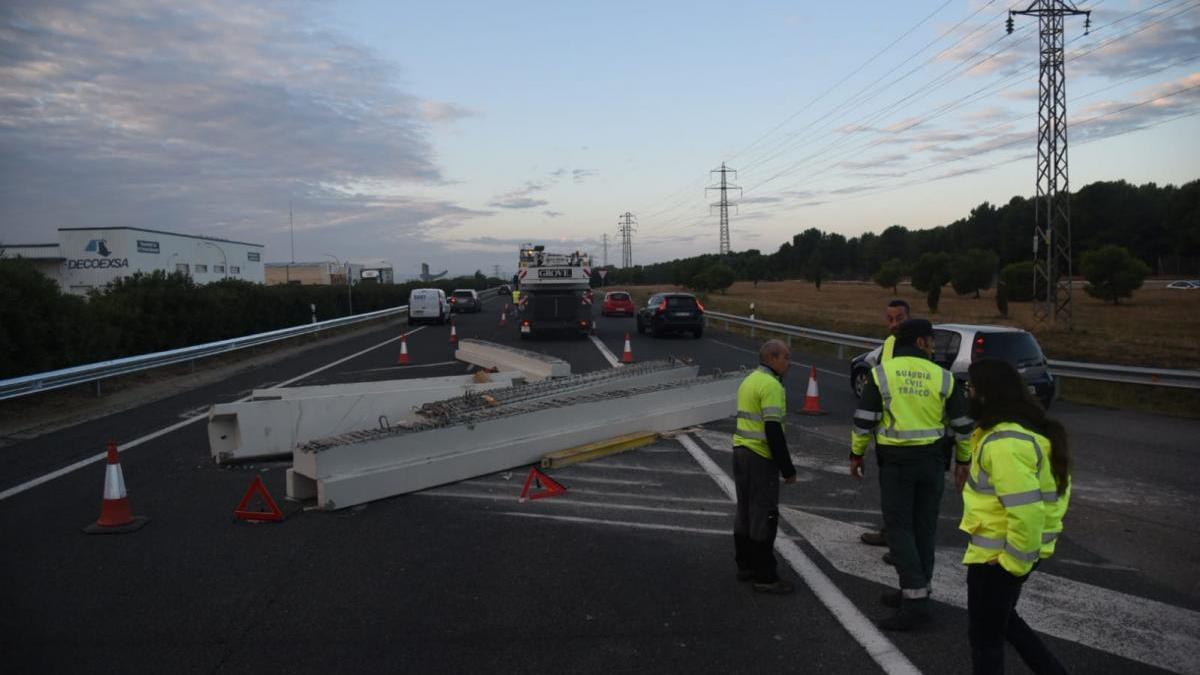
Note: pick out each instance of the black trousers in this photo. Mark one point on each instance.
(992, 594)
(911, 481)
(756, 479)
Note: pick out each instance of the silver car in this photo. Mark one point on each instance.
(956, 345)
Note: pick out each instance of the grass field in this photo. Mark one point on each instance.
(1159, 328)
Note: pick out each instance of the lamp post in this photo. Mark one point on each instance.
(224, 259)
(349, 286)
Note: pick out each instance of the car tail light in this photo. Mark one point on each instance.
(699, 304)
(661, 308)
(525, 323)
(977, 351)
(453, 300)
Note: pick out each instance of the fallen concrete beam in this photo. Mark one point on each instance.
(535, 366)
(359, 467)
(274, 426)
(586, 453)
(290, 393)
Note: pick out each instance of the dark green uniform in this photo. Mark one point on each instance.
(906, 407)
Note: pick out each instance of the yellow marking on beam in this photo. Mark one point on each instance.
(586, 453)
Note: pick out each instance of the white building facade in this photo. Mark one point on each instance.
(87, 259)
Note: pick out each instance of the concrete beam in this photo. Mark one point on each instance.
(363, 466)
(535, 366)
(275, 393)
(274, 426)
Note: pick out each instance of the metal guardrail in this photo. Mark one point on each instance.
(95, 372)
(1161, 377)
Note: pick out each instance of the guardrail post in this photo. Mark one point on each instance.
(97, 388)
(789, 342)
(841, 352)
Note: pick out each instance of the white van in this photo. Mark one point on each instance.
(428, 305)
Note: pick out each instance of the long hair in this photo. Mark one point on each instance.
(1001, 396)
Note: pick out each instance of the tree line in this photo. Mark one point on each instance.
(1158, 226)
(42, 328)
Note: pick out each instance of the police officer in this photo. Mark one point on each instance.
(896, 314)
(905, 407)
(1018, 484)
(760, 457)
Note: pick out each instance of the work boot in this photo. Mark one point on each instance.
(777, 587)
(912, 613)
(887, 558)
(873, 538)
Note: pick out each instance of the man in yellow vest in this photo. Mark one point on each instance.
(760, 457)
(895, 314)
(906, 407)
(516, 295)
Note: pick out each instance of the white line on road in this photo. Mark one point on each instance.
(617, 523)
(18, 489)
(575, 502)
(881, 649)
(605, 352)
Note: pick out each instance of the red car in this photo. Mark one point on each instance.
(617, 302)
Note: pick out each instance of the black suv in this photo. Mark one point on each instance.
(665, 312)
(956, 345)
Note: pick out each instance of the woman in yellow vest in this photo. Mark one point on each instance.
(1017, 486)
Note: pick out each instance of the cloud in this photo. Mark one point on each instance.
(1162, 101)
(760, 200)
(1152, 42)
(518, 203)
(578, 175)
(209, 118)
(443, 112)
(551, 214)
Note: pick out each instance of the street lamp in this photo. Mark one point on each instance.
(349, 286)
(224, 259)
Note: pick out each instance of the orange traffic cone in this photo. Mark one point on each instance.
(812, 400)
(453, 334)
(403, 360)
(116, 515)
(504, 316)
(627, 357)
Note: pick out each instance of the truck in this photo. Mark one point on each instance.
(555, 292)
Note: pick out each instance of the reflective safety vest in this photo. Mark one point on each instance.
(516, 297)
(760, 399)
(914, 392)
(889, 348)
(1011, 505)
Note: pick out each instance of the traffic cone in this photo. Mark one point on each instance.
(504, 316)
(812, 400)
(627, 357)
(453, 334)
(116, 515)
(403, 360)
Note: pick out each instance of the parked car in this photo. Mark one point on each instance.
(504, 290)
(666, 312)
(957, 345)
(465, 300)
(427, 305)
(1186, 285)
(617, 302)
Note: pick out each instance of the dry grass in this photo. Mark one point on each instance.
(1160, 328)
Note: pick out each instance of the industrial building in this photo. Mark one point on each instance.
(327, 272)
(86, 258)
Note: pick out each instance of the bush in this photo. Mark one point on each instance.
(973, 271)
(1017, 278)
(1112, 273)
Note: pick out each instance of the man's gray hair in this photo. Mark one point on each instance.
(772, 348)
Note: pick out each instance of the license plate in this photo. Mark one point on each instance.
(683, 313)
(524, 329)
(1032, 389)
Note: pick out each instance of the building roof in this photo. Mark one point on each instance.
(172, 234)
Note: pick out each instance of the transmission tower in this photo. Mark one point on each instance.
(1052, 208)
(605, 249)
(724, 186)
(496, 270)
(625, 226)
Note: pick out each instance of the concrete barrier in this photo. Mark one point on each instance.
(535, 366)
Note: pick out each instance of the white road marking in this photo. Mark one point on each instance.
(413, 366)
(18, 489)
(794, 363)
(636, 467)
(1135, 628)
(881, 649)
(605, 352)
(617, 495)
(561, 500)
(618, 523)
(723, 442)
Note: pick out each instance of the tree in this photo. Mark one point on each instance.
(814, 268)
(932, 269)
(1017, 278)
(717, 277)
(932, 297)
(1112, 273)
(889, 274)
(973, 271)
(1002, 299)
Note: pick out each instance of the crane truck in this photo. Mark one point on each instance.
(555, 292)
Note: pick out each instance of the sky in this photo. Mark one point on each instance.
(451, 132)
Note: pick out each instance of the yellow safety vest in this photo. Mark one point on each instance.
(760, 399)
(1011, 505)
(516, 297)
(889, 348)
(914, 392)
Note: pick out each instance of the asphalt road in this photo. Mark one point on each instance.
(630, 570)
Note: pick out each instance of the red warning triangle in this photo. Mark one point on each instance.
(546, 486)
(261, 488)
